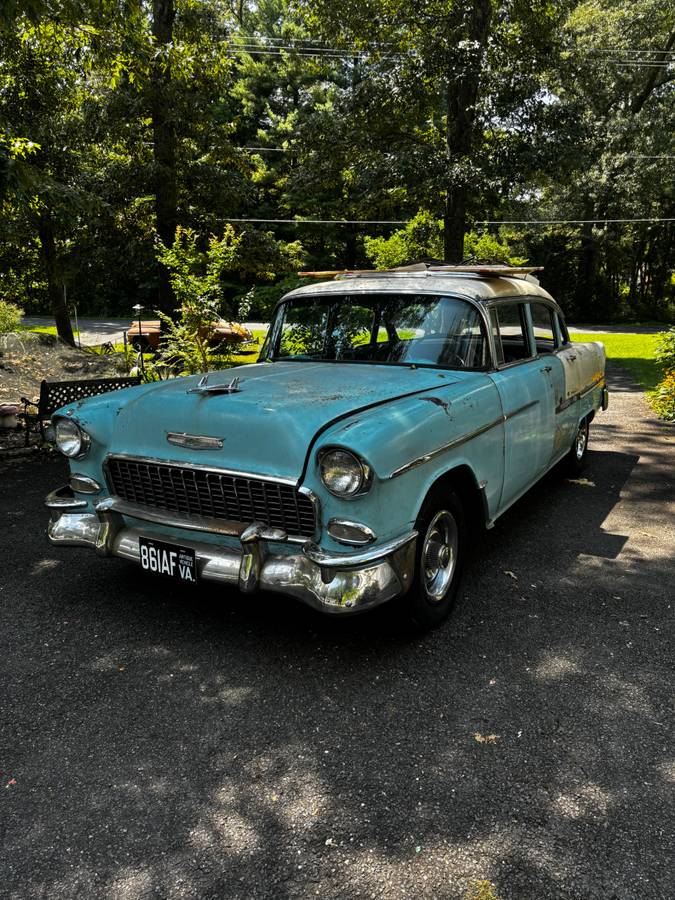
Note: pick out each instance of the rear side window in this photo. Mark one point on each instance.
(543, 327)
(510, 333)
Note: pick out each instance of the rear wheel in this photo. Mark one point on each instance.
(576, 458)
(439, 560)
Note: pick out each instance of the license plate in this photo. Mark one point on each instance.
(162, 558)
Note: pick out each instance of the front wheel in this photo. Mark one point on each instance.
(576, 458)
(439, 560)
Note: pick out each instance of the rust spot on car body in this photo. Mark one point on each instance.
(444, 405)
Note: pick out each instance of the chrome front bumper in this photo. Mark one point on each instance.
(331, 582)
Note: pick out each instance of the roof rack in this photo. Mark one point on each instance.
(486, 271)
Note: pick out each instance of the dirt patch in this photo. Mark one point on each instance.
(28, 358)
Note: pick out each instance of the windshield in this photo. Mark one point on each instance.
(394, 329)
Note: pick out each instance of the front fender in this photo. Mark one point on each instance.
(409, 444)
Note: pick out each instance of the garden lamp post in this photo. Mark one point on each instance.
(137, 309)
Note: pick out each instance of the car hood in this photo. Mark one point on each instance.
(268, 425)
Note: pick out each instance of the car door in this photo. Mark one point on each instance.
(527, 403)
(553, 365)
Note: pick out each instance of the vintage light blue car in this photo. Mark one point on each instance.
(387, 411)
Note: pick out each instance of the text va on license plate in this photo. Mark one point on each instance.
(163, 558)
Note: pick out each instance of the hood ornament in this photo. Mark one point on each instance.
(203, 387)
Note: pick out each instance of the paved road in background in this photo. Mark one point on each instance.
(99, 331)
(156, 742)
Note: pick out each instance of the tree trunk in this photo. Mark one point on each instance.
(57, 300)
(164, 136)
(462, 95)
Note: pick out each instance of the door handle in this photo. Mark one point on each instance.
(546, 369)
(571, 358)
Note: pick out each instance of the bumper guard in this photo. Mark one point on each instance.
(330, 582)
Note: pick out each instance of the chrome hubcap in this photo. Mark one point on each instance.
(580, 443)
(439, 555)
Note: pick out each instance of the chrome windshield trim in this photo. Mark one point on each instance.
(331, 560)
(237, 473)
(188, 523)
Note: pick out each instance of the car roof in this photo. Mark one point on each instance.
(464, 284)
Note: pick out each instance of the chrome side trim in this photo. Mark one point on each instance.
(332, 560)
(194, 441)
(456, 442)
(421, 460)
(565, 404)
(204, 468)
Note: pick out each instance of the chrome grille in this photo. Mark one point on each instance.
(210, 493)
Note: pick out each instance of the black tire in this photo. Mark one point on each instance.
(575, 461)
(430, 599)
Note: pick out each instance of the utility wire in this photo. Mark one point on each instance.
(279, 50)
(479, 222)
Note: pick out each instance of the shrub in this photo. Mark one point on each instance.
(665, 350)
(663, 398)
(10, 316)
(195, 277)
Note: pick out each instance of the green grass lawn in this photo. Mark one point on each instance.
(634, 352)
(43, 329)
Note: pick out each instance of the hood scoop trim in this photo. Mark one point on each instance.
(203, 387)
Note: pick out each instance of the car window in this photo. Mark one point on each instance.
(543, 327)
(511, 340)
(396, 329)
(562, 329)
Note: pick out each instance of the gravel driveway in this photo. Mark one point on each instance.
(159, 743)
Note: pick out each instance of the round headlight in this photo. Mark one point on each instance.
(343, 473)
(70, 439)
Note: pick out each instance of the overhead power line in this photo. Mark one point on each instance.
(480, 222)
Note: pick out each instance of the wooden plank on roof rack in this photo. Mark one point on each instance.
(489, 271)
(327, 274)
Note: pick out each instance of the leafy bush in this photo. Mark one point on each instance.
(422, 238)
(195, 277)
(10, 316)
(663, 398)
(665, 350)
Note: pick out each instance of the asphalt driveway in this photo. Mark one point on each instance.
(157, 742)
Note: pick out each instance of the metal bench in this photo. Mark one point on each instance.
(55, 394)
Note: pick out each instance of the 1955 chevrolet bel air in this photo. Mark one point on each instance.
(387, 411)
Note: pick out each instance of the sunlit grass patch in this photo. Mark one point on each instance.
(634, 352)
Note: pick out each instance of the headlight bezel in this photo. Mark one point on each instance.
(78, 450)
(365, 472)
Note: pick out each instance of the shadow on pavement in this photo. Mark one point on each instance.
(176, 744)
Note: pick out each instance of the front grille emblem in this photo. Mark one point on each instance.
(194, 441)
